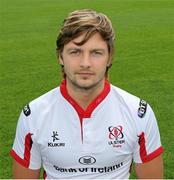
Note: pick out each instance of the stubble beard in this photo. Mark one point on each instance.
(85, 87)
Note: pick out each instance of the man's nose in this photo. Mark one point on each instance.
(85, 61)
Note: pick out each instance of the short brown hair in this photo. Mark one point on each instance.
(90, 22)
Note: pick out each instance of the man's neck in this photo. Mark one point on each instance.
(84, 96)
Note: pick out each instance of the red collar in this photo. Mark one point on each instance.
(80, 111)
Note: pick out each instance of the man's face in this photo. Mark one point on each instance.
(85, 65)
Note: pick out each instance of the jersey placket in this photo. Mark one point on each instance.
(87, 134)
(85, 115)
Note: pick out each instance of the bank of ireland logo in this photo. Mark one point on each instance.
(116, 136)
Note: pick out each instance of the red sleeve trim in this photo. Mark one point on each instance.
(143, 152)
(153, 155)
(142, 142)
(44, 175)
(19, 159)
(26, 160)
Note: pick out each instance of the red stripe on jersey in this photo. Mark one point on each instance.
(18, 159)
(26, 160)
(28, 145)
(81, 112)
(75, 105)
(97, 100)
(153, 155)
(143, 153)
(44, 174)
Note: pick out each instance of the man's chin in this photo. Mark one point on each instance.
(86, 84)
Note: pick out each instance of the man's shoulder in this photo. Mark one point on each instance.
(135, 104)
(123, 94)
(42, 102)
(47, 97)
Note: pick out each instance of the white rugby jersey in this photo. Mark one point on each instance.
(117, 128)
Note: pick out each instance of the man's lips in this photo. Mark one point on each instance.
(85, 74)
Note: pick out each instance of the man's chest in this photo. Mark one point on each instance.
(104, 139)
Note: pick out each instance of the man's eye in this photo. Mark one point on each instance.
(74, 52)
(97, 53)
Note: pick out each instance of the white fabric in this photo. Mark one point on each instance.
(103, 148)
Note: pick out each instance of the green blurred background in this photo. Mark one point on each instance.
(143, 62)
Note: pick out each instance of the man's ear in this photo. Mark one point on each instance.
(109, 64)
(60, 59)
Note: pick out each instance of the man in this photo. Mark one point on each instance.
(87, 128)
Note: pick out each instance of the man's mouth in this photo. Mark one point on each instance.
(85, 73)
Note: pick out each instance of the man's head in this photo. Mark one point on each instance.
(89, 22)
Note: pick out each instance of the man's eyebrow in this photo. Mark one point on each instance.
(98, 49)
(73, 48)
(101, 50)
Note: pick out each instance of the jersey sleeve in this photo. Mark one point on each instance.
(25, 149)
(148, 145)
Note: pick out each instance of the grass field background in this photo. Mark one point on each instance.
(143, 63)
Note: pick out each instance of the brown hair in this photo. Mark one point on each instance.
(90, 22)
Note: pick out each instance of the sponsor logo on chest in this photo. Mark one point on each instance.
(87, 160)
